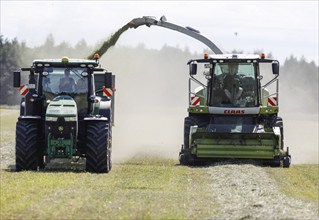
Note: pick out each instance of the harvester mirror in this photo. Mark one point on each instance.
(16, 79)
(275, 67)
(192, 69)
(108, 80)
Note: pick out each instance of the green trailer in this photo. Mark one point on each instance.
(233, 111)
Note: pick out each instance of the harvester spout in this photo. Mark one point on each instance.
(148, 21)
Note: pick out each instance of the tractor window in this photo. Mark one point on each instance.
(67, 81)
(234, 85)
(64, 80)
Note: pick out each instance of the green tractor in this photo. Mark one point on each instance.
(233, 111)
(66, 112)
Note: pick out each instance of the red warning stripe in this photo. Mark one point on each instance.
(107, 92)
(195, 100)
(272, 101)
(23, 89)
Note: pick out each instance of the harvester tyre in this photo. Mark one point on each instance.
(276, 162)
(98, 148)
(27, 145)
(185, 156)
(287, 162)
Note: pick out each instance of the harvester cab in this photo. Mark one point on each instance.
(233, 110)
(66, 112)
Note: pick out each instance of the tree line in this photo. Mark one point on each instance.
(297, 74)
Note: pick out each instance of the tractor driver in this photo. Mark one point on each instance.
(231, 84)
(67, 83)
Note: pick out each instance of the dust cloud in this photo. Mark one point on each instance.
(300, 117)
(150, 101)
(151, 104)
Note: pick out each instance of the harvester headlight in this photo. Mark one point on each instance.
(70, 118)
(49, 118)
(61, 128)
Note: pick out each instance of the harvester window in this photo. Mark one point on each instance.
(234, 85)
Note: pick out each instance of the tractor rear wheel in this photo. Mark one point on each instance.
(185, 156)
(98, 148)
(26, 145)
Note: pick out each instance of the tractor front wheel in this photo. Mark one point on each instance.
(26, 145)
(98, 148)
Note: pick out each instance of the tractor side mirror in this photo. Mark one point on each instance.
(192, 69)
(108, 80)
(275, 68)
(16, 79)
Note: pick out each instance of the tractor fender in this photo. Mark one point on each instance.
(22, 106)
(88, 119)
(29, 118)
(106, 108)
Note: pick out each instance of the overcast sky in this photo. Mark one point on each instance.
(280, 27)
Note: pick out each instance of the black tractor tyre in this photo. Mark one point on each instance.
(110, 147)
(185, 156)
(27, 145)
(98, 148)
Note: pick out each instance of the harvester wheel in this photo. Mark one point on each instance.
(276, 162)
(26, 145)
(287, 162)
(98, 148)
(185, 156)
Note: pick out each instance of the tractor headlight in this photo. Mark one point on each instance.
(49, 118)
(70, 118)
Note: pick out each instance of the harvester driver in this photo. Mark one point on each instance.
(67, 83)
(231, 84)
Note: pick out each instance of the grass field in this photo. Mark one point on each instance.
(299, 181)
(140, 188)
(137, 189)
(8, 121)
